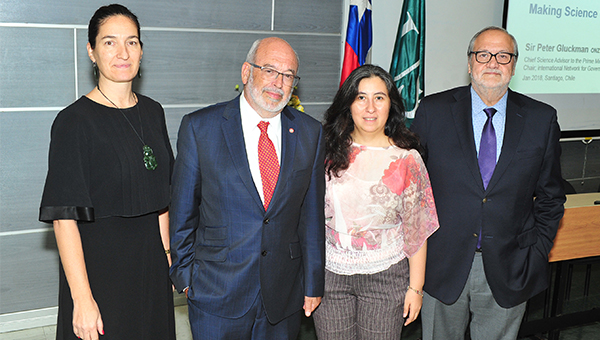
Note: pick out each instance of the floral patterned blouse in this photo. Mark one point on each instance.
(379, 211)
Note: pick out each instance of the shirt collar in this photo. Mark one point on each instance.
(251, 118)
(478, 105)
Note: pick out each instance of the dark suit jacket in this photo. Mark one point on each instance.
(520, 210)
(224, 245)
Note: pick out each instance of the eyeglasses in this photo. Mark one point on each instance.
(484, 57)
(271, 74)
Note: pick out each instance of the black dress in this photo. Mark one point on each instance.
(96, 176)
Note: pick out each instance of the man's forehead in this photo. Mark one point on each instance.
(278, 60)
(497, 39)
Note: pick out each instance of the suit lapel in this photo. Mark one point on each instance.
(289, 137)
(463, 122)
(512, 135)
(234, 138)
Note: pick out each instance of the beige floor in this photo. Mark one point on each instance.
(182, 328)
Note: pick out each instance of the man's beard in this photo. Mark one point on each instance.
(262, 102)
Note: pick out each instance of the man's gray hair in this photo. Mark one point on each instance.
(251, 56)
(493, 28)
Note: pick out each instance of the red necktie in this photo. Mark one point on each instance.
(267, 163)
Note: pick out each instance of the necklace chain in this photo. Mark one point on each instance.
(149, 158)
(127, 119)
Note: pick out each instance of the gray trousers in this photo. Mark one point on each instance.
(363, 306)
(489, 321)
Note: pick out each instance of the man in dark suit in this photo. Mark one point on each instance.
(247, 220)
(493, 160)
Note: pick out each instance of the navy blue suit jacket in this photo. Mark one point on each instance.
(224, 245)
(520, 210)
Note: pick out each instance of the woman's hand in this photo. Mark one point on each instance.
(412, 306)
(413, 300)
(87, 322)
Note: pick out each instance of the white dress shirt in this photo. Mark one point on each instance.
(250, 120)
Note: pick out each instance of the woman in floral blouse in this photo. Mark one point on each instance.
(379, 212)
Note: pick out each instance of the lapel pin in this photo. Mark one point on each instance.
(291, 130)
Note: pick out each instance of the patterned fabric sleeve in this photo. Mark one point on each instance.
(408, 178)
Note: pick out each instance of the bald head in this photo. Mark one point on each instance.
(269, 44)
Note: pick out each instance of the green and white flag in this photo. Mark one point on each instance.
(409, 56)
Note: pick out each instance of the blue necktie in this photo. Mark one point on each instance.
(487, 148)
(487, 154)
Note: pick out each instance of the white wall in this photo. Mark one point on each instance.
(449, 27)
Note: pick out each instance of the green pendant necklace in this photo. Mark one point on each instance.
(149, 158)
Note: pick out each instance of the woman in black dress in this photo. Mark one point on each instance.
(107, 194)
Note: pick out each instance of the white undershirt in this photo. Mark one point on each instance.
(250, 120)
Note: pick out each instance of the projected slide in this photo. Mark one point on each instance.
(559, 45)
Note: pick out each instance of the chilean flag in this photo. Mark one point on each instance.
(359, 37)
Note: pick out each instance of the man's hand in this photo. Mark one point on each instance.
(310, 304)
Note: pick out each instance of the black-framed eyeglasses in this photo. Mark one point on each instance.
(271, 74)
(484, 57)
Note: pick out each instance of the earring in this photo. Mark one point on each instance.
(95, 68)
(139, 75)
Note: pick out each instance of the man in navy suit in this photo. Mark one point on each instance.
(493, 160)
(250, 258)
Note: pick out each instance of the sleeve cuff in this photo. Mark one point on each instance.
(49, 214)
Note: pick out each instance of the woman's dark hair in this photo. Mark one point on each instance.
(105, 12)
(339, 125)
